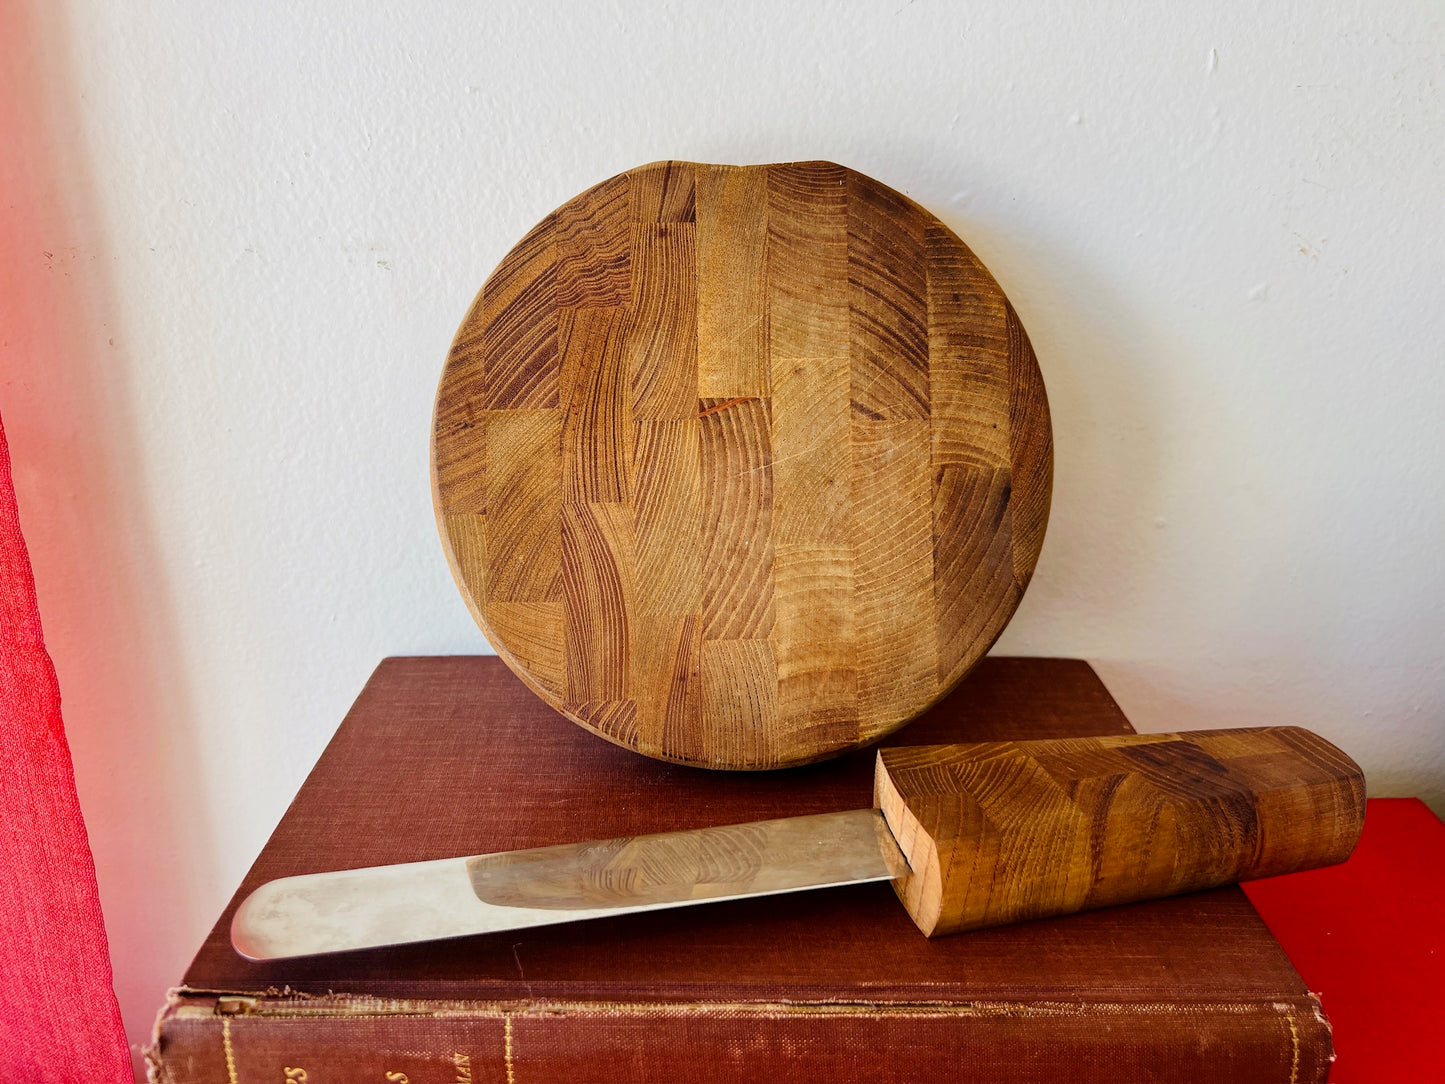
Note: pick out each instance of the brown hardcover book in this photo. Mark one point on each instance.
(453, 756)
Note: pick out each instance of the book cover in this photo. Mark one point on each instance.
(453, 756)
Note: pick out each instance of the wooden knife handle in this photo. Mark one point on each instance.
(1002, 832)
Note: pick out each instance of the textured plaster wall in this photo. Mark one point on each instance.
(239, 237)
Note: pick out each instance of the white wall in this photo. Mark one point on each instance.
(248, 232)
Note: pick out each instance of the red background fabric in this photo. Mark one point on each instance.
(1368, 936)
(59, 1020)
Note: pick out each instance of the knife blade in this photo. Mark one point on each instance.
(969, 835)
(449, 897)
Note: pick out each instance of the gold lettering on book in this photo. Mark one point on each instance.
(463, 1064)
(398, 1078)
(294, 1076)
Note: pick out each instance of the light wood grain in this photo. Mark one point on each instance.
(732, 325)
(741, 467)
(1003, 832)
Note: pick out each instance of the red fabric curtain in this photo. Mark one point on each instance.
(58, 1015)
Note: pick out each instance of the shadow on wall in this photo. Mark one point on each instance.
(64, 396)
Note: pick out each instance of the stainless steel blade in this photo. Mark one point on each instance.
(450, 897)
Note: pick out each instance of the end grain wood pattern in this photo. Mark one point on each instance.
(741, 467)
(1002, 832)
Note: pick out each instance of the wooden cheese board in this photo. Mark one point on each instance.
(741, 467)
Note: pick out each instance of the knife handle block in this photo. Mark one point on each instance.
(1002, 832)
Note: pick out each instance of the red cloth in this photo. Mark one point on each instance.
(58, 1015)
(1368, 936)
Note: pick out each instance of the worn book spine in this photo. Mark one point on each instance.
(209, 1038)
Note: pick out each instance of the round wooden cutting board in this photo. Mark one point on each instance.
(741, 467)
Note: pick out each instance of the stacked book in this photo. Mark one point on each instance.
(454, 756)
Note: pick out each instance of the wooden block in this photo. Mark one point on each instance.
(1000, 832)
(531, 633)
(893, 587)
(597, 405)
(664, 192)
(814, 643)
(888, 301)
(812, 451)
(459, 462)
(807, 260)
(593, 237)
(667, 682)
(711, 418)
(667, 517)
(519, 324)
(465, 537)
(596, 590)
(732, 226)
(737, 502)
(968, 343)
(660, 344)
(523, 546)
(739, 688)
(974, 588)
(1031, 451)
